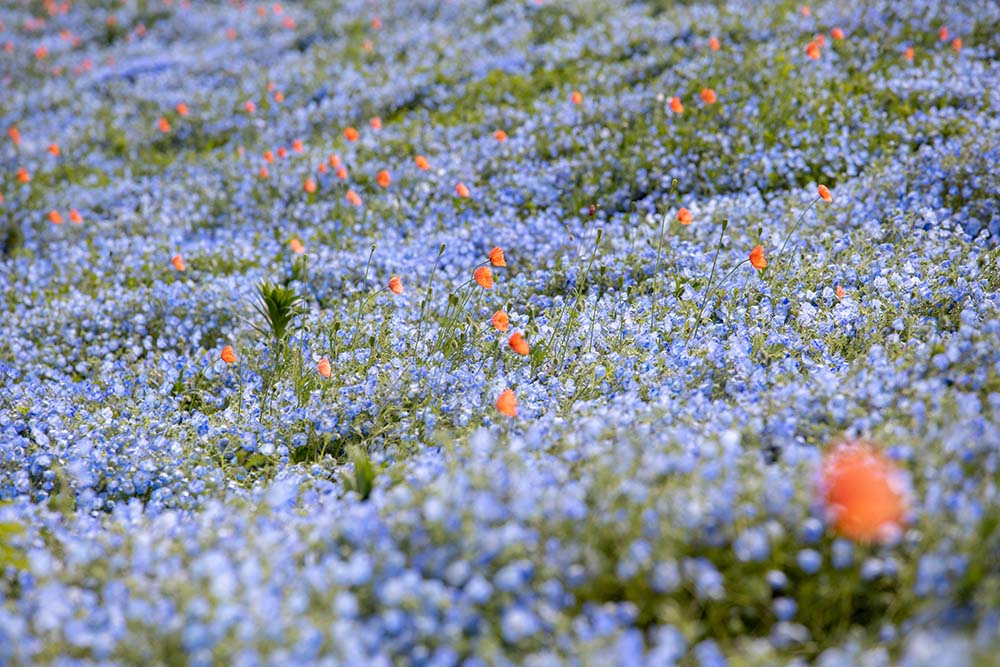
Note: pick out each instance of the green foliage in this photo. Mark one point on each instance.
(277, 306)
(11, 556)
(362, 479)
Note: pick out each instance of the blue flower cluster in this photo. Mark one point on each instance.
(734, 235)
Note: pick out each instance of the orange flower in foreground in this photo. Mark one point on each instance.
(497, 258)
(577, 97)
(462, 191)
(375, 123)
(500, 321)
(353, 197)
(297, 247)
(839, 291)
(675, 105)
(708, 96)
(178, 262)
(395, 285)
(422, 163)
(507, 403)
(228, 355)
(23, 176)
(956, 44)
(56, 217)
(863, 493)
(182, 109)
(684, 216)
(324, 367)
(909, 53)
(757, 258)
(383, 178)
(74, 217)
(824, 193)
(309, 185)
(163, 124)
(713, 43)
(500, 136)
(837, 34)
(54, 149)
(351, 134)
(484, 277)
(812, 50)
(518, 344)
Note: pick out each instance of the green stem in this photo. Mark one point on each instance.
(709, 293)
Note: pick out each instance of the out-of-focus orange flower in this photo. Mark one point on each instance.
(41, 53)
(812, 50)
(178, 262)
(56, 217)
(496, 257)
(708, 96)
(341, 173)
(268, 157)
(839, 291)
(422, 163)
(297, 247)
(351, 134)
(279, 96)
(282, 152)
(684, 216)
(507, 403)
(334, 161)
(309, 185)
(518, 344)
(837, 34)
(500, 136)
(376, 23)
(500, 321)
(54, 150)
(321, 168)
(353, 197)
(824, 193)
(804, 9)
(14, 134)
(484, 277)
(713, 43)
(462, 191)
(375, 123)
(324, 367)
(263, 173)
(297, 145)
(74, 217)
(23, 176)
(228, 355)
(675, 105)
(289, 23)
(230, 34)
(250, 107)
(395, 285)
(182, 109)
(163, 124)
(943, 33)
(757, 258)
(577, 97)
(383, 178)
(820, 39)
(909, 53)
(863, 493)
(956, 44)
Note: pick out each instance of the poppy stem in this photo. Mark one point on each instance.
(656, 267)
(430, 282)
(794, 227)
(704, 301)
(361, 302)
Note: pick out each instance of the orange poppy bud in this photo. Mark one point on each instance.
(675, 105)
(862, 492)
(462, 191)
(351, 134)
(324, 367)
(375, 123)
(74, 217)
(757, 258)
(708, 96)
(422, 163)
(309, 185)
(250, 107)
(943, 33)
(577, 97)
(684, 216)
(23, 176)
(812, 50)
(500, 321)
(182, 109)
(164, 125)
(341, 173)
(297, 145)
(353, 197)
(840, 292)
(178, 262)
(228, 355)
(484, 277)
(54, 150)
(518, 344)
(507, 403)
(395, 285)
(909, 53)
(56, 217)
(837, 34)
(297, 247)
(713, 43)
(497, 258)
(500, 136)
(824, 193)
(956, 44)
(383, 178)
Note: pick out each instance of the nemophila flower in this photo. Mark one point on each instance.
(383, 178)
(353, 198)
(422, 163)
(500, 321)
(309, 185)
(228, 355)
(577, 97)
(757, 258)
(713, 43)
(324, 367)
(824, 193)
(518, 343)
(675, 105)
(507, 403)
(500, 135)
(182, 109)
(862, 492)
(351, 134)
(395, 285)
(837, 34)
(375, 123)
(684, 216)
(74, 216)
(708, 96)
(297, 146)
(496, 257)
(23, 176)
(462, 191)
(178, 262)
(54, 150)
(484, 277)
(297, 247)
(163, 125)
(56, 217)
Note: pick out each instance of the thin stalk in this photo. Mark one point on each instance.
(712, 291)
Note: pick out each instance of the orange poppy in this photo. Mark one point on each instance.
(351, 134)
(367, 45)
(321, 168)
(263, 173)
(74, 217)
(383, 178)
(500, 321)
(462, 191)
(342, 173)
(708, 96)
(164, 125)
(279, 97)
(812, 50)
(250, 107)
(41, 52)
(297, 247)
(956, 44)
(282, 151)
(268, 156)
(518, 344)
(507, 403)
(14, 134)
(353, 197)
(178, 262)
(54, 150)
(484, 277)
(839, 292)
(334, 161)
(675, 105)
(820, 39)
(713, 43)
(228, 355)
(422, 163)
(395, 285)
(324, 367)
(824, 193)
(497, 258)
(277, 8)
(757, 258)
(23, 176)
(837, 34)
(577, 97)
(309, 185)
(909, 53)
(375, 123)
(943, 33)
(805, 10)
(182, 109)
(684, 216)
(289, 23)
(862, 492)
(56, 217)
(376, 23)
(500, 136)
(231, 34)
(297, 145)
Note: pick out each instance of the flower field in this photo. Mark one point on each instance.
(515, 333)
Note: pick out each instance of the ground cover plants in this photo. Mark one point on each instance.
(472, 333)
